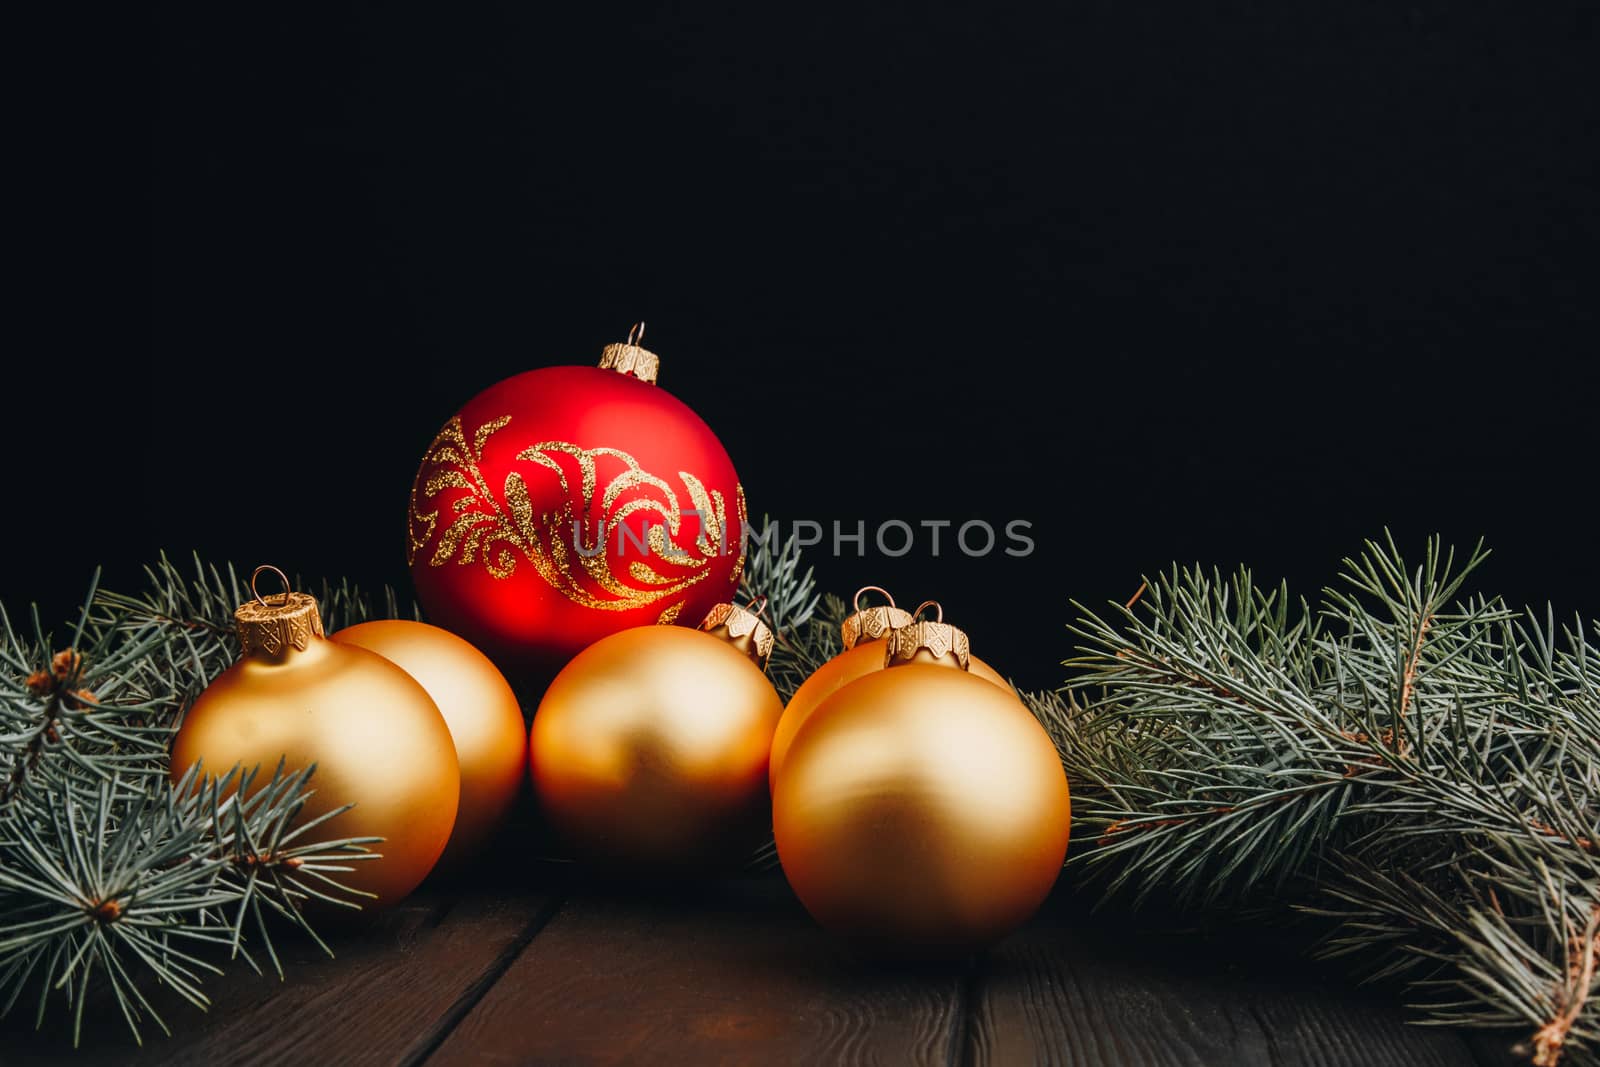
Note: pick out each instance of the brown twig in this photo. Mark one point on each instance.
(1581, 955)
(1136, 823)
(1550, 831)
(1122, 826)
(26, 760)
(1362, 763)
(1408, 683)
(1173, 674)
(54, 685)
(251, 859)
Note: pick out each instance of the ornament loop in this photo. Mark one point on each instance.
(282, 598)
(757, 604)
(935, 605)
(856, 602)
(629, 358)
(869, 624)
(272, 627)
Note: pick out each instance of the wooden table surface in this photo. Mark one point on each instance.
(539, 966)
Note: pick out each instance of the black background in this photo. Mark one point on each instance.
(1172, 281)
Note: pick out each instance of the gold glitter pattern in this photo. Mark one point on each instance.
(288, 620)
(744, 521)
(564, 545)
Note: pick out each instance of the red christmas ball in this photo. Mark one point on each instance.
(565, 504)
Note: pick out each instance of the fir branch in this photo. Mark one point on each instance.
(110, 874)
(773, 571)
(805, 639)
(1418, 771)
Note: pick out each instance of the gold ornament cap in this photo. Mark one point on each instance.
(743, 628)
(630, 358)
(871, 623)
(922, 641)
(269, 625)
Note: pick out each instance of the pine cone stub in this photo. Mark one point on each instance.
(105, 911)
(65, 663)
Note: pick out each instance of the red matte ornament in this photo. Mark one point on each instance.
(565, 504)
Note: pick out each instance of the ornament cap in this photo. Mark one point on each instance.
(871, 623)
(268, 625)
(743, 628)
(925, 641)
(631, 358)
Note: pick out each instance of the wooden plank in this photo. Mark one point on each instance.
(735, 972)
(722, 973)
(397, 983)
(1079, 989)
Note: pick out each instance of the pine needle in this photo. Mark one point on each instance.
(1416, 772)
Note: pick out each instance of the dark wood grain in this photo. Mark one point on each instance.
(1079, 989)
(735, 973)
(396, 984)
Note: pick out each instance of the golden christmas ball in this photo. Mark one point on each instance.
(375, 735)
(650, 747)
(478, 705)
(863, 635)
(922, 811)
